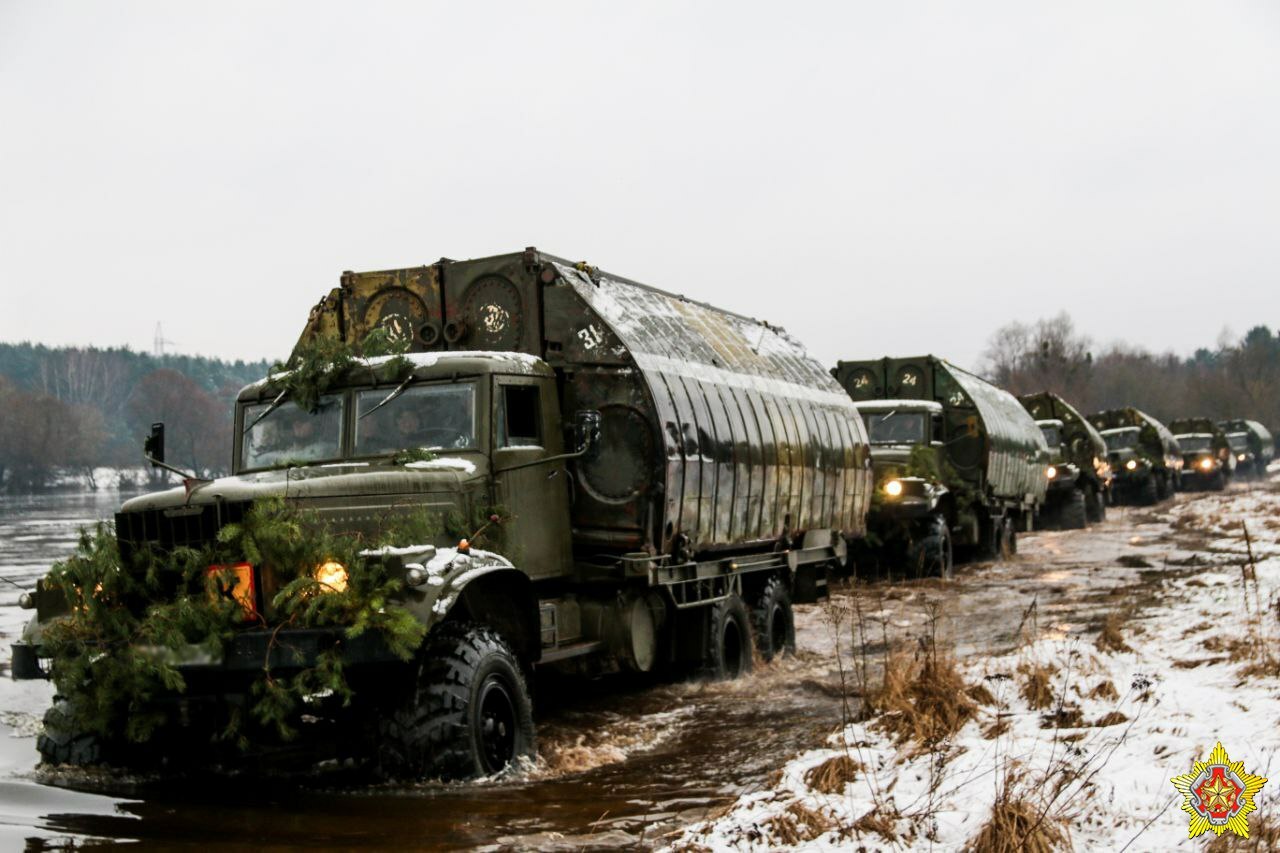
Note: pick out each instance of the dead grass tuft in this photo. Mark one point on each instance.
(996, 728)
(1066, 717)
(1037, 684)
(1016, 826)
(832, 775)
(798, 824)
(1133, 561)
(923, 698)
(876, 823)
(1111, 718)
(980, 694)
(1104, 691)
(1234, 646)
(1110, 638)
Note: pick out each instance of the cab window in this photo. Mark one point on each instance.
(519, 416)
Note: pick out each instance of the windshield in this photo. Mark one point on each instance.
(290, 435)
(1118, 439)
(1052, 435)
(1239, 441)
(1194, 443)
(896, 427)
(436, 417)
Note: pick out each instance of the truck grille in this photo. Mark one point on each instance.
(175, 527)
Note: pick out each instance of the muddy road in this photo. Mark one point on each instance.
(622, 764)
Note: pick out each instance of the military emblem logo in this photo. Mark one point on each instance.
(1218, 794)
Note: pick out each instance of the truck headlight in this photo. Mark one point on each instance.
(1240, 457)
(1206, 464)
(1051, 472)
(331, 575)
(893, 488)
(1131, 465)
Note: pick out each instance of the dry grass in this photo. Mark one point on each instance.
(1264, 834)
(1234, 646)
(1066, 717)
(1133, 561)
(1037, 685)
(876, 823)
(798, 824)
(923, 699)
(996, 728)
(832, 775)
(1111, 718)
(1110, 638)
(1105, 691)
(1017, 826)
(980, 694)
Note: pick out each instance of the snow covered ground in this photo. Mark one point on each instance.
(1092, 750)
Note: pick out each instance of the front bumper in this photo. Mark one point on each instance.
(248, 651)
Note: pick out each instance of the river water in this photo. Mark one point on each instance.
(620, 764)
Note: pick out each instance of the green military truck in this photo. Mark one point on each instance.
(668, 477)
(1207, 459)
(1143, 454)
(1252, 444)
(958, 462)
(1078, 472)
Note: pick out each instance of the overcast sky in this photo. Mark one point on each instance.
(876, 177)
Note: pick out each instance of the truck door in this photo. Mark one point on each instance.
(535, 497)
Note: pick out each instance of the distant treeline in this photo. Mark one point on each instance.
(1237, 379)
(71, 409)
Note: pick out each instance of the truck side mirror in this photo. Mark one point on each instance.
(586, 432)
(153, 446)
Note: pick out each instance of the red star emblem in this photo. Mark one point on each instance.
(1219, 794)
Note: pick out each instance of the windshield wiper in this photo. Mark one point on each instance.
(275, 404)
(396, 393)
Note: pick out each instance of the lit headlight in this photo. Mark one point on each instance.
(1206, 464)
(1051, 472)
(893, 488)
(331, 575)
(1240, 457)
(1131, 465)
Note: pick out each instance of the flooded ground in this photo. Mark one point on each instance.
(622, 765)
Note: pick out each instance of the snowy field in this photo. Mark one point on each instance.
(1076, 731)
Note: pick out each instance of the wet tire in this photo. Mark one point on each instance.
(1095, 506)
(1148, 493)
(1073, 515)
(727, 654)
(932, 553)
(61, 743)
(467, 715)
(773, 622)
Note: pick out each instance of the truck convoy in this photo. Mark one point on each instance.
(1207, 459)
(1079, 473)
(672, 477)
(1143, 454)
(1252, 444)
(958, 462)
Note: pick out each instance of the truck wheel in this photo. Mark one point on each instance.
(1219, 481)
(1161, 484)
(773, 622)
(1095, 505)
(1147, 493)
(468, 713)
(61, 743)
(1006, 539)
(1073, 515)
(931, 554)
(727, 654)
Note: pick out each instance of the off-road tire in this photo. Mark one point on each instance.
(932, 553)
(773, 622)
(467, 714)
(1148, 494)
(60, 743)
(1161, 483)
(1006, 539)
(1095, 505)
(727, 653)
(1073, 514)
(1218, 481)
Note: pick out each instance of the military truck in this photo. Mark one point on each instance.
(1078, 472)
(1143, 454)
(1252, 444)
(959, 464)
(674, 476)
(1207, 459)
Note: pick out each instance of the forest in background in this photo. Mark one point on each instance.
(1235, 379)
(68, 410)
